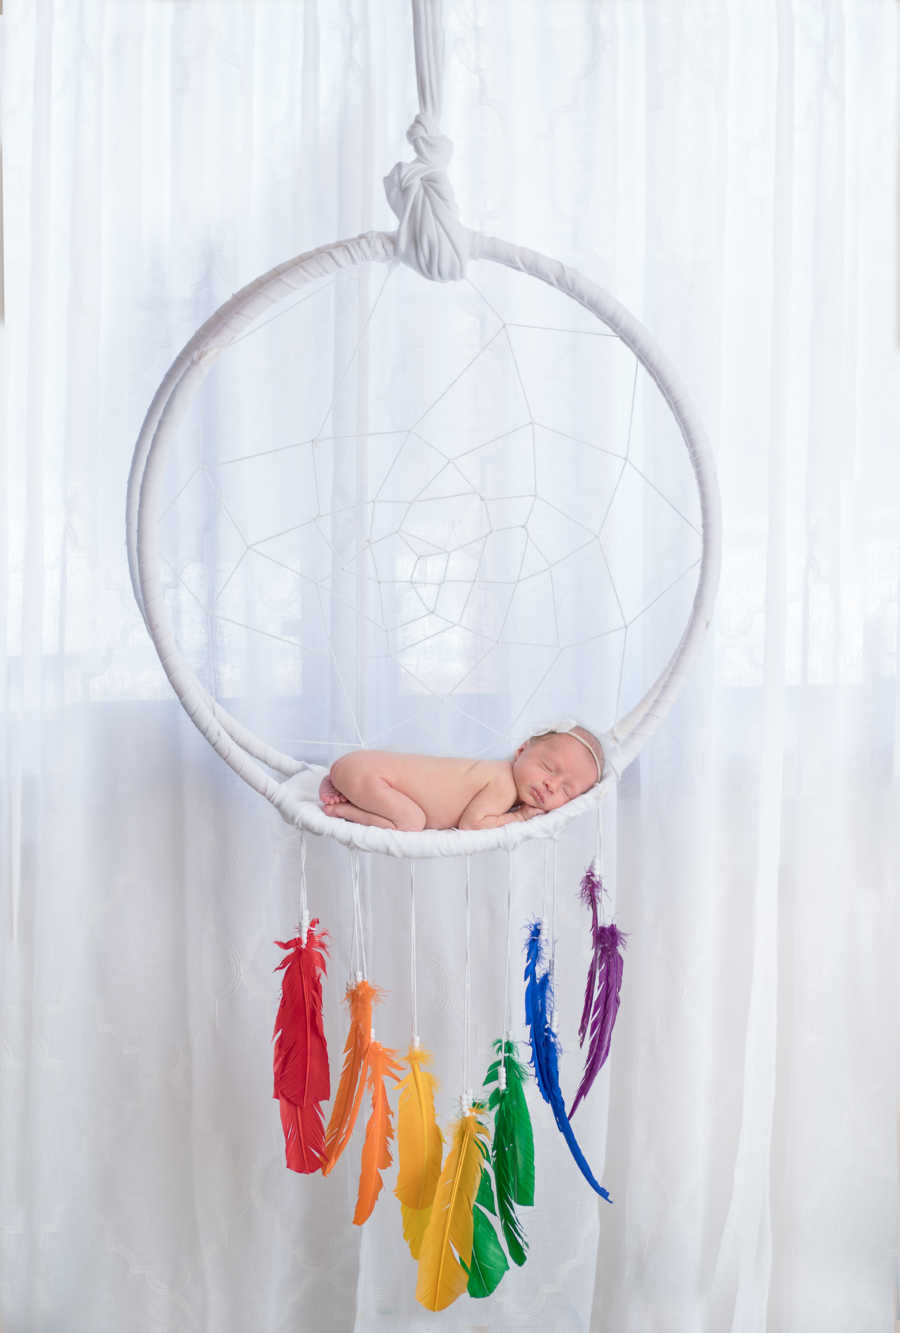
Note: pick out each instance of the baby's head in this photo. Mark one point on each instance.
(554, 768)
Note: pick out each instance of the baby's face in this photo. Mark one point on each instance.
(552, 770)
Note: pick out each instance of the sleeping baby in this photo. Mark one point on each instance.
(417, 791)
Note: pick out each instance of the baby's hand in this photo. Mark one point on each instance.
(529, 811)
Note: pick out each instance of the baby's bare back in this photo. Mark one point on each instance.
(441, 786)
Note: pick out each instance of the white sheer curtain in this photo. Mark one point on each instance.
(730, 173)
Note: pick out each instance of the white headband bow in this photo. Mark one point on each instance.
(565, 728)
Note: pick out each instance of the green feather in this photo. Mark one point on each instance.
(485, 1196)
(512, 1149)
(488, 1260)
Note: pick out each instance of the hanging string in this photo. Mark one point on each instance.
(554, 990)
(507, 1025)
(467, 1001)
(304, 901)
(358, 950)
(362, 933)
(506, 991)
(546, 881)
(598, 859)
(412, 955)
(355, 970)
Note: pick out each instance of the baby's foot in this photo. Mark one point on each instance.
(329, 794)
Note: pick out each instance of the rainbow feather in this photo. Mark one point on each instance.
(348, 1097)
(446, 1253)
(301, 1077)
(419, 1148)
(489, 1263)
(545, 1050)
(604, 982)
(512, 1145)
(376, 1154)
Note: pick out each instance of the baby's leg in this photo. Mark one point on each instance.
(344, 810)
(369, 798)
(328, 792)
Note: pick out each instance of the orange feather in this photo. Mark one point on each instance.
(376, 1153)
(348, 1097)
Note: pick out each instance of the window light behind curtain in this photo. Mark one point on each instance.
(731, 176)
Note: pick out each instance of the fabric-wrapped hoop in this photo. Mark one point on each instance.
(247, 754)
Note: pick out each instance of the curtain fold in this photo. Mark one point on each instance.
(730, 174)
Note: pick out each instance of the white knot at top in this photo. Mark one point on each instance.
(430, 237)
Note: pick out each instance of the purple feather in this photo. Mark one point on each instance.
(591, 888)
(604, 982)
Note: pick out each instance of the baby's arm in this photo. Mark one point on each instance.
(478, 814)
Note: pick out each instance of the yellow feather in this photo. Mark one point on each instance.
(419, 1141)
(449, 1232)
(415, 1220)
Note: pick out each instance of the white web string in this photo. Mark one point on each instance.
(431, 586)
(550, 328)
(345, 372)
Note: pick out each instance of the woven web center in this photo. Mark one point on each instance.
(436, 515)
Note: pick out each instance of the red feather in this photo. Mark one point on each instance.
(302, 1079)
(304, 1135)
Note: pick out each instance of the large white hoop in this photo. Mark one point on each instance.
(247, 754)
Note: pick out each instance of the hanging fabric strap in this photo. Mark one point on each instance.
(430, 237)
(428, 39)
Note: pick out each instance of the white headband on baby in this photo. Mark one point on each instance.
(565, 728)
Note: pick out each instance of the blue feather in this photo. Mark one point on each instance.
(545, 1049)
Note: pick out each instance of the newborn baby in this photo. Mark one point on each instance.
(417, 791)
